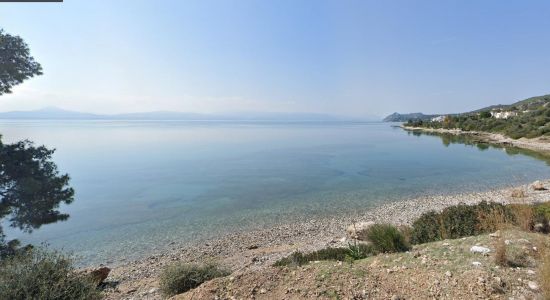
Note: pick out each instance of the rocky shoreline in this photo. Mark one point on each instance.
(541, 144)
(254, 250)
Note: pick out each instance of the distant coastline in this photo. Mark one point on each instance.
(540, 144)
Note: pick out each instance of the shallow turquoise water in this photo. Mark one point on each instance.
(142, 185)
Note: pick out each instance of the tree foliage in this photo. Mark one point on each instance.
(31, 189)
(16, 63)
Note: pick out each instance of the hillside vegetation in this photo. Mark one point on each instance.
(528, 118)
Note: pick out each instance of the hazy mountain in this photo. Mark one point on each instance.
(54, 113)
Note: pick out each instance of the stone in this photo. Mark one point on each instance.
(533, 285)
(448, 274)
(354, 230)
(538, 186)
(524, 241)
(476, 264)
(263, 291)
(99, 275)
(495, 234)
(480, 249)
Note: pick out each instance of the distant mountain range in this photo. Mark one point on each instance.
(54, 113)
(527, 104)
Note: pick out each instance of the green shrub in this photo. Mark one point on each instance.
(354, 251)
(426, 228)
(387, 238)
(44, 275)
(360, 250)
(179, 278)
(463, 220)
(458, 221)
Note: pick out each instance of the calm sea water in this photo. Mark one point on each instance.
(143, 185)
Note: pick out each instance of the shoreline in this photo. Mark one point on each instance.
(255, 250)
(258, 249)
(540, 144)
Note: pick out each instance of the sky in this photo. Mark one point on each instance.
(349, 58)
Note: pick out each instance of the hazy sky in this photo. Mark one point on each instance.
(339, 57)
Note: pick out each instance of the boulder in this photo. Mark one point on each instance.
(538, 186)
(99, 275)
(354, 230)
(480, 249)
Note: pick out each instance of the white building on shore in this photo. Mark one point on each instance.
(503, 114)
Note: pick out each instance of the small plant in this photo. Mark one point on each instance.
(179, 278)
(44, 275)
(524, 216)
(494, 216)
(500, 253)
(354, 251)
(386, 238)
(358, 251)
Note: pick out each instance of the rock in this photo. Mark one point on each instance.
(99, 275)
(252, 247)
(448, 274)
(153, 290)
(476, 263)
(524, 241)
(531, 272)
(533, 285)
(495, 234)
(263, 291)
(480, 249)
(507, 242)
(518, 193)
(354, 230)
(538, 186)
(540, 227)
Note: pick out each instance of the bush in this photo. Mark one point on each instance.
(354, 251)
(458, 221)
(179, 278)
(463, 220)
(44, 275)
(426, 228)
(387, 238)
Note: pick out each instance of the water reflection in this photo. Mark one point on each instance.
(470, 140)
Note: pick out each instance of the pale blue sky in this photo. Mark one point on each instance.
(340, 57)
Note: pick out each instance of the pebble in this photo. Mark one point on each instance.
(480, 249)
(476, 263)
(448, 274)
(533, 285)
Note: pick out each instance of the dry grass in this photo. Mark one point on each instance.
(497, 218)
(545, 273)
(524, 216)
(500, 253)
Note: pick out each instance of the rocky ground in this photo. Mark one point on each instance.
(252, 253)
(440, 270)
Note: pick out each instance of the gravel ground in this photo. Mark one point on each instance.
(255, 250)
